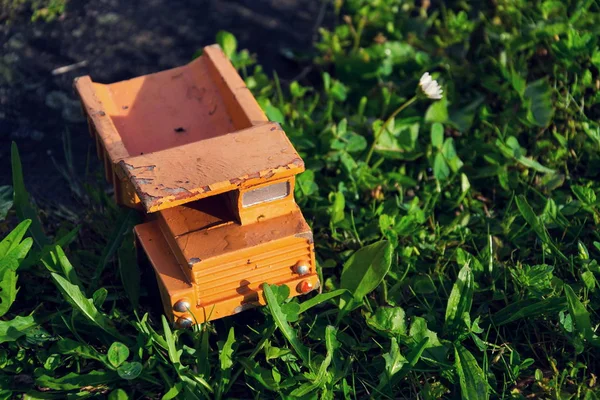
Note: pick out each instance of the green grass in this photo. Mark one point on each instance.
(458, 261)
(45, 10)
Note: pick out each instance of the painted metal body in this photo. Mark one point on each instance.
(191, 148)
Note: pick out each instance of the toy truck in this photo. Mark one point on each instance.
(192, 149)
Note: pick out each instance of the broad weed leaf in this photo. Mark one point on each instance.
(305, 184)
(85, 306)
(130, 370)
(281, 321)
(388, 321)
(71, 347)
(73, 381)
(438, 111)
(15, 328)
(15, 258)
(262, 375)
(437, 135)
(339, 91)
(274, 114)
(15, 251)
(536, 166)
(584, 195)
(291, 310)
(589, 280)
(460, 300)
(400, 138)
(441, 171)
(366, 268)
(8, 289)
(99, 297)
(119, 394)
(412, 358)
(228, 43)
(450, 155)
(319, 299)
(462, 118)
(226, 351)
(592, 129)
(472, 380)
(538, 96)
(581, 316)
(13, 239)
(394, 361)
(174, 392)
(117, 354)
(465, 258)
(45, 254)
(337, 208)
(297, 90)
(419, 332)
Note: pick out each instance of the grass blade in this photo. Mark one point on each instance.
(529, 309)
(129, 270)
(321, 376)
(170, 340)
(66, 267)
(45, 254)
(24, 207)
(123, 226)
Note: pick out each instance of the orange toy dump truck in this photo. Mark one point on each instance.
(191, 147)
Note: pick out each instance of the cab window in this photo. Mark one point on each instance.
(265, 194)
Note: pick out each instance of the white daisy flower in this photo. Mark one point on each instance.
(430, 87)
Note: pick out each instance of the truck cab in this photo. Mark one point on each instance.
(191, 148)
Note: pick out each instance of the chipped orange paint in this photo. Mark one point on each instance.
(214, 165)
(191, 147)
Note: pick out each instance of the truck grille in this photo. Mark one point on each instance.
(245, 274)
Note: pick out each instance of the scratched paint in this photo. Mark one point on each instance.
(186, 144)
